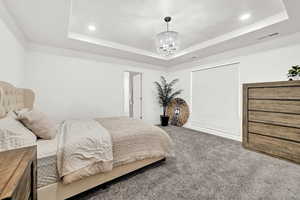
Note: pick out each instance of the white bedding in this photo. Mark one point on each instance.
(46, 148)
(14, 135)
(132, 140)
(81, 144)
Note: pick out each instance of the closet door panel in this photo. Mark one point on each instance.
(215, 99)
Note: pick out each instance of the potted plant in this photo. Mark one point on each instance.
(294, 73)
(165, 95)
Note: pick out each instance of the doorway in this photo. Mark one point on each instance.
(133, 94)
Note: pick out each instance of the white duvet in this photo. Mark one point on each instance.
(83, 143)
(89, 147)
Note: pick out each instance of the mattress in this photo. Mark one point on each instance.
(46, 171)
(46, 162)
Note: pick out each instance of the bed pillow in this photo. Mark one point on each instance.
(38, 123)
(12, 114)
(14, 135)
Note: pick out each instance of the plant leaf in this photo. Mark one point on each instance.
(165, 91)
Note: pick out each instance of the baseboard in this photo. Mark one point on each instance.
(215, 132)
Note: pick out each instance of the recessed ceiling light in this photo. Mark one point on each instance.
(245, 16)
(92, 28)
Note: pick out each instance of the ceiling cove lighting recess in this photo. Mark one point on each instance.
(245, 16)
(268, 36)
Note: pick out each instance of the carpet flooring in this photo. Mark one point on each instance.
(207, 167)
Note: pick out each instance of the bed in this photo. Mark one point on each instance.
(128, 138)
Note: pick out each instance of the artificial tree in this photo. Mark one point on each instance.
(165, 95)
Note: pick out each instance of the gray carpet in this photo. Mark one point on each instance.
(207, 167)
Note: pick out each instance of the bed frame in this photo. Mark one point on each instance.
(11, 99)
(60, 191)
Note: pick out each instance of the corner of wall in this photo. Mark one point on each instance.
(14, 45)
(11, 24)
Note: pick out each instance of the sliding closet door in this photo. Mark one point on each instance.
(215, 99)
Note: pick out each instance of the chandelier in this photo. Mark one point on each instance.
(167, 42)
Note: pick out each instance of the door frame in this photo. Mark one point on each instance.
(131, 91)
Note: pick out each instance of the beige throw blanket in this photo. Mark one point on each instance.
(82, 144)
(135, 140)
(132, 140)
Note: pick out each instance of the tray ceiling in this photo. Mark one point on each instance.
(135, 23)
(127, 28)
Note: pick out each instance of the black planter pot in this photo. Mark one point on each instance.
(164, 120)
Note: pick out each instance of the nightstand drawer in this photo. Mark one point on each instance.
(18, 174)
(24, 187)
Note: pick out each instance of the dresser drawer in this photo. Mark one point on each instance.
(282, 119)
(283, 106)
(275, 131)
(277, 147)
(275, 92)
(24, 186)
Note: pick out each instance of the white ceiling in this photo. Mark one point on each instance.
(127, 28)
(136, 22)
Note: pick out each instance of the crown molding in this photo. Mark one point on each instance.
(107, 43)
(25, 42)
(283, 16)
(114, 45)
(34, 47)
(225, 37)
(233, 55)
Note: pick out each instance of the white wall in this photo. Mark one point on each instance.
(12, 56)
(259, 63)
(68, 87)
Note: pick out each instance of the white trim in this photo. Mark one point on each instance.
(107, 43)
(141, 92)
(193, 124)
(115, 45)
(280, 17)
(283, 16)
(142, 97)
(220, 133)
(217, 66)
(191, 94)
(275, 19)
(231, 35)
(90, 56)
(21, 36)
(239, 53)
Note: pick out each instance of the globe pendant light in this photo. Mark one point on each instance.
(167, 42)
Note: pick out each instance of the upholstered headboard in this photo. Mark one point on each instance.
(12, 98)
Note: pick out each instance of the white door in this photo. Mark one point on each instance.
(137, 96)
(215, 99)
(127, 94)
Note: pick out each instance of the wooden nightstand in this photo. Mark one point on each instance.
(18, 175)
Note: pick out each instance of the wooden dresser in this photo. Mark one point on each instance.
(271, 118)
(18, 177)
